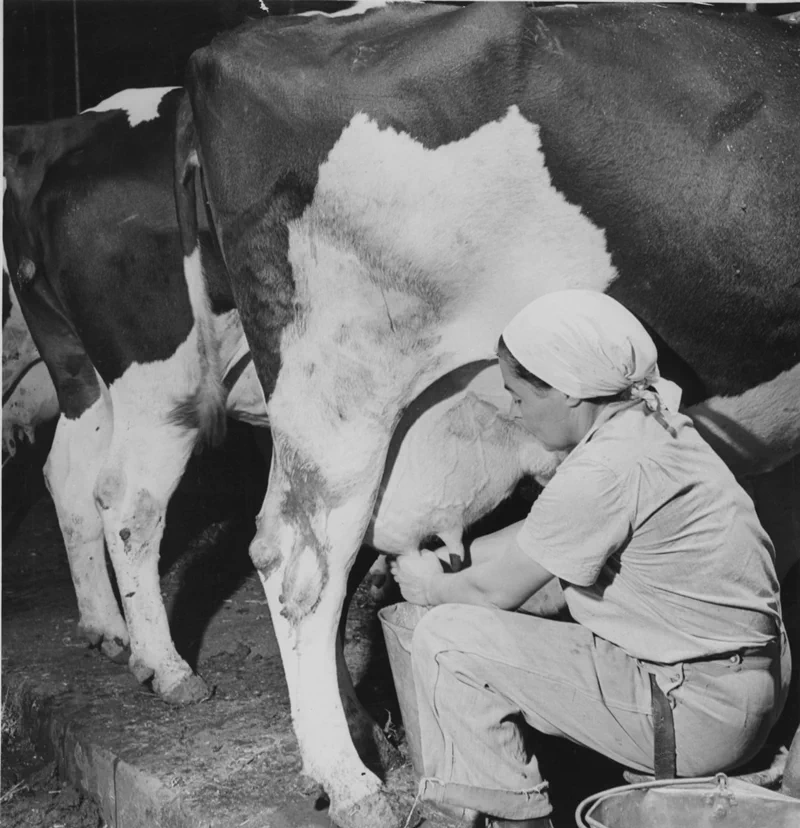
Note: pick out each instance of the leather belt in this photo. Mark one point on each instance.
(663, 733)
(737, 655)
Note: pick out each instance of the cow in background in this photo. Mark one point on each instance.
(136, 355)
(388, 191)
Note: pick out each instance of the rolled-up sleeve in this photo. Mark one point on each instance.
(583, 516)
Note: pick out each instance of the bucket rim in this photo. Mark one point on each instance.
(721, 780)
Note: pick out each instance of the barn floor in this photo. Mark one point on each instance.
(229, 761)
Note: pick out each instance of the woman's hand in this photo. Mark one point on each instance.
(413, 573)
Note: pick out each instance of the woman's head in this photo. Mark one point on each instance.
(542, 410)
(582, 342)
(569, 352)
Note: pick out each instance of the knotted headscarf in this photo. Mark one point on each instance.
(586, 344)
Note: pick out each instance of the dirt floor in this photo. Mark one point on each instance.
(232, 760)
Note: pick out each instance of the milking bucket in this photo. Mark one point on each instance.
(709, 802)
(398, 622)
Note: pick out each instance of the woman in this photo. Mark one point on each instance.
(667, 573)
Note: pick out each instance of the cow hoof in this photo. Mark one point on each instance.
(375, 749)
(140, 670)
(112, 646)
(188, 690)
(94, 638)
(388, 755)
(115, 649)
(371, 811)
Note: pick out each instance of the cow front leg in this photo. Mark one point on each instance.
(75, 458)
(132, 492)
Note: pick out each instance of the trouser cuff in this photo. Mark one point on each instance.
(466, 800)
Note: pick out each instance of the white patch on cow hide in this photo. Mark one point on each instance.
(478, 219)
(409, 262)
(140, 104)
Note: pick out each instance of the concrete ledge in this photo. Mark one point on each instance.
(127, 796)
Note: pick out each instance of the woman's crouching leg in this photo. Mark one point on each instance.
(473, 743)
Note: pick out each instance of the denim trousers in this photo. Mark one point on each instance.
(482, 676)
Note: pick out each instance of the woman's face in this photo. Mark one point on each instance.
(545, 413)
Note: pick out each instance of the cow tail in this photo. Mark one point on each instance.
(205, 409)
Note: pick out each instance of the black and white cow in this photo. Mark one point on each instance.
(141, 367)
(135, 355)
(388, 191)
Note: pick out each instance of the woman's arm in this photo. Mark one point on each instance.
(502, 575)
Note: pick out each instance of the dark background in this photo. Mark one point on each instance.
(121, 44)
(124, 43)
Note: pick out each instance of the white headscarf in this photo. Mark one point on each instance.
(586, 344)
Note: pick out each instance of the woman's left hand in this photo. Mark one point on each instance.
(413, 574)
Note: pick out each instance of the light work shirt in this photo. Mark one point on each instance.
(658, 547)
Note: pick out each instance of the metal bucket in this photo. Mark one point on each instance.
(708, 802)
(398, 622)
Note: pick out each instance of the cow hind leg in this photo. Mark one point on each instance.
(75, 458)
(320, 719)
(307, 636)
(133, 489)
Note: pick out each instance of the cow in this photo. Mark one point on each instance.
(137, 357)
(143, 364)
(389, 190)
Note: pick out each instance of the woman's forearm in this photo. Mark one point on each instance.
(460, 588)
(487, 547)
(504, 580)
